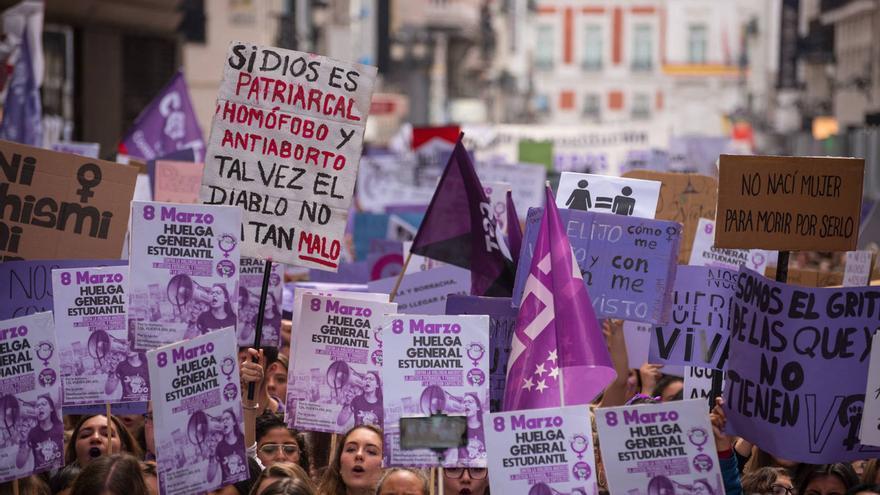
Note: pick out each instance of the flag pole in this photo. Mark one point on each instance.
(258, 334)
(393, 294)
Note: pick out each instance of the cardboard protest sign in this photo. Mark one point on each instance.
(425, 292)
(798, 368)
(250, 284)
(697, 332)
(628, 263)
(857, 270)
(698, 382)
(526, 181)
(659, 448)
(704, 254)
(334, 381)
(684, 198)
(431, 365)
(542, 451)
(869, 432)
(178, 182)
(28, 286)
(789, 203)
(502, 324)
(808, 277)
(196, 396)
(285, 145)
(32, 440)
(58, 205)
(91, 324)
(604, 194)
(184, 271)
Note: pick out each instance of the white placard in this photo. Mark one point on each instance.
(703, 254)
(869, 433)
(857, 271)
(606, 194)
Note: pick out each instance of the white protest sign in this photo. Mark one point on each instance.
(184, 271)
(249, 289)
(538, 450)
(869, 433)
(391, 179)
(497, 194)
(605, 194)
(333, 379)
(97, 363)
(698, 382)
(435, 364)
(526, 181)
(32, 440)
(197, 399)
(349, 291)
(418, 263)
(857, 270)
(425, 292)
(285, 145)
(659, 448)
(703, 254)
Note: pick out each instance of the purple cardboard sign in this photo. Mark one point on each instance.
(502, 324)
(798, 368)
(698, 330)
(628, 263)
(26, 286)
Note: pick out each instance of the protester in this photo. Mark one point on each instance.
(773, 480)
(276, 443)
(117, 474)
(62, 481)
(280, 471)
(356, 465)
(29, 485)
(290, 486)
(146, 437)
(864, 489)
(726, 455)
(466, 481)
(151, 476)
(41, 442)
(871, 473)
(625, 385)
(668, 388)
(826, 479)
(759, 458)
(276, 379)
(403, 481)
(91, 439)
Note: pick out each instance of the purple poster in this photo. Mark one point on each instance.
(798, 369)
(32, 437)
(250, 286)
(502, 324)
(432, 365)
(628, 263)
(698, 330)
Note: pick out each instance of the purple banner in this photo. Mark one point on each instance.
(502, 324)
(699, 328)
(628, 264)
(798, 368)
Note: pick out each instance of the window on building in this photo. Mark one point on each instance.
(542, 104)
(697, 43)
(592, 106)
(641, 106)
(643, 49)
(544, 48)
(593, 47)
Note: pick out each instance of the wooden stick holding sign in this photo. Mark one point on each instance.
(258, 333)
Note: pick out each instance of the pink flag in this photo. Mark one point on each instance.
(558, 356)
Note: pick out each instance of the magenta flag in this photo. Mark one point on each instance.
(558, 355)
(514, 230)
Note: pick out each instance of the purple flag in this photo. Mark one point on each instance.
(558, 356)
(167, 124)
(514, 230)
(23, 114)
(446, 235)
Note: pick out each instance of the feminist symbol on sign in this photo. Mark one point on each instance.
(475, 351)
(579, 444)
(227, 367)
(227, 243)
(757, 260)
(45, 351)
(698, 437)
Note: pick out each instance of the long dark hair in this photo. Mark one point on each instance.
(842, 470)
(56, 421)
(126, 441)
(269, 421)
(378, 385)
(117, 474)
(235, 424)
(332, 482)
(227, 306)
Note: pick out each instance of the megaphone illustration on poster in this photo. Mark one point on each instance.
(340, 374)
(435, 400)
(101, 343)
(200, 426)
(182, 289)
(544, 489)
(10, 410)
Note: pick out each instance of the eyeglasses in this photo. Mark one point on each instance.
(474, 473)
(148, 417)
(272, 448)
(782, 490)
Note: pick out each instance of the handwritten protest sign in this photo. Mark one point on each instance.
(178, 182)
(91, 324)
(698, 382)
(502, 324)
(789, 203)
(32, 440)
(684, 198)
(184, 271)
(659, 448)
(628, 263)
(250, 285)
(540, 450)
(196, 397)
(285, 145)
(857, 270)
(334, 381)
(425, 292)
(435, 364)
(604, 194)
(704, 254)
(27, 285)
(869, 432)
(58, 205)
(698, 331)
(798, 368)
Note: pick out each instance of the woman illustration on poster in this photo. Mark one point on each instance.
(133, 373)
(248, 315)
(219, 314)
(229, 453)
(366, 407)
(44, 439)
(476, 446)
